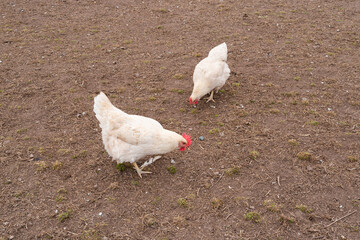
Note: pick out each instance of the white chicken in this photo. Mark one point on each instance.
(210, 74)
(128, 138)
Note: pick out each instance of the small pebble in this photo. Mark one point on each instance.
(172, 161)
(212, 106)
(100, 213)
(201, 138)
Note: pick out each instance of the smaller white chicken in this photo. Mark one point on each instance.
(128, 138)
(210, 74)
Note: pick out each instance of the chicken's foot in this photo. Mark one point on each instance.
(139, 171)
(211, 98)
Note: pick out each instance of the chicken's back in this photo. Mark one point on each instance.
(209, 74)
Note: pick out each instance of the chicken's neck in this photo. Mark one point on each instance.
(199, 91)
(168, 141)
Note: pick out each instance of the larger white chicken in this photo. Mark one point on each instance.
(210, 74)
(128, 138)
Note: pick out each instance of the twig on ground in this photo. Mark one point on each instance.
(341, 218)
(228, 216)
(218, 180)
(267, 193)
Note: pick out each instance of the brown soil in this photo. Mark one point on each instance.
(294, 89)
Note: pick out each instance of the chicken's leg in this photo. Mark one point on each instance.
(211, 98)
(139, 171)
(150, 161)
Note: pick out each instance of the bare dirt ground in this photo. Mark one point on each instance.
(280, 158)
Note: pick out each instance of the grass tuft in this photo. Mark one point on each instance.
(182, 202)
(253, 217)
(304, 156)
(171, 169)
(304, 208)
(57, 165)
(232, 171)
(216, 203)
(254, 154)
(293, 142)
(63, 216)
(121, 167)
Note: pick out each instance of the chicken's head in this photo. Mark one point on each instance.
(186, 143)
(193, 101)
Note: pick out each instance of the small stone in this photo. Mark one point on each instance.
(172, 161)
(201, 138)
(100, 213)
(31, 156)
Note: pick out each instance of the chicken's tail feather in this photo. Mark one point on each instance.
(103, 108)
(219, 52)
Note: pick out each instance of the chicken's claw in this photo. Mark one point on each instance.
(138, 170)
(211, 98)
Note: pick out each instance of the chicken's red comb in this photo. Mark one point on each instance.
(187, 138)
